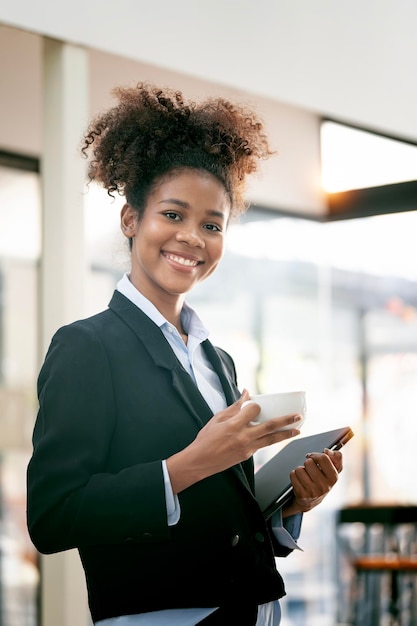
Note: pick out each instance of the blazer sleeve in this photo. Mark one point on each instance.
(72, 500)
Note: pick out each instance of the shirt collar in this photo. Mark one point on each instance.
(189, 318)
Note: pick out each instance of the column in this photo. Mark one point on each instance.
(62, 274)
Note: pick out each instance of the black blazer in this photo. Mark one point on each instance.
(113, 402)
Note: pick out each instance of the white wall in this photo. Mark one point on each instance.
(352, 59)
(21, 93)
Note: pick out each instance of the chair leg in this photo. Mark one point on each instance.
(367, 599)
(394, 608)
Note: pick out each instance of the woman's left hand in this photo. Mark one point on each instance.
(312, 481)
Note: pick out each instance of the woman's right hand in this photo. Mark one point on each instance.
(230, 437)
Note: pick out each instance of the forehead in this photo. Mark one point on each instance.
(198, 188)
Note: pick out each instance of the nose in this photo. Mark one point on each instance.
(190, 238)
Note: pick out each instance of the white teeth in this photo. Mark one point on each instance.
(182, 261)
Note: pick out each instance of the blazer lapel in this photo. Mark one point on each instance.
(190, 395)
(224, 367)
(227, 376)
(163, 356)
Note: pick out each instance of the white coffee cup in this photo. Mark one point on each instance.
(280, 404)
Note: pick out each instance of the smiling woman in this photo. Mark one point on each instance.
(179, 240)
(142, 449)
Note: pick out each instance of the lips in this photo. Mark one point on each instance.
(181, 260)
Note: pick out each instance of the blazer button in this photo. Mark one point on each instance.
(259, 537)
(147, 536)
(235, 540)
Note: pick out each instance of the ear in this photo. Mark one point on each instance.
(128, 221)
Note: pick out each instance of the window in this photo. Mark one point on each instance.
(353, 158)
(19, 256)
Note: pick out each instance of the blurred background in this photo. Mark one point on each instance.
(318, 288)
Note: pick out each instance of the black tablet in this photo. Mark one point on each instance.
(272, 481)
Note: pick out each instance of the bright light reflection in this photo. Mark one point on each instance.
(102, 226)
(355, 159)
(20, 230)
(383, 245)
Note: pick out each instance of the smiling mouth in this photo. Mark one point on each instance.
(182, 261)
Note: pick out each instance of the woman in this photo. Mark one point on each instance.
(142, 453)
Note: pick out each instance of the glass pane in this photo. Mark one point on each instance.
(355, 159)
(107, 250)
(306, 305)
(19, 254)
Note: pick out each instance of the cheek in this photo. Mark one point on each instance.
(148, 240)
(221, 249)
(216, 253)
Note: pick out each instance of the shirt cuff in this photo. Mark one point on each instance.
(287, 531)
(171, 500)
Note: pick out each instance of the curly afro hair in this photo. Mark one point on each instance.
(153, 132)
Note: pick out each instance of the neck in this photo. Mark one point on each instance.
(169, 305)
(171, 310)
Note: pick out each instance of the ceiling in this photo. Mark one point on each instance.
(351, 60)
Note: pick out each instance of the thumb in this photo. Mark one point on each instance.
(244, 397)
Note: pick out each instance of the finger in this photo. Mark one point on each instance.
(265, 438)
(233, 409)
(307, 485)
(322, 462)
(286, 422)
(303, 485)
(249, 411)
(336, 458)
(321, 470)
(244, 397)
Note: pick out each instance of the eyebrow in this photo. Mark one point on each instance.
(186, 205)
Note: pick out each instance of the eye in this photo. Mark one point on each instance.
(213, 228)
(172, 215)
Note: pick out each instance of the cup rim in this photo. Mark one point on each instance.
(277, 393)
